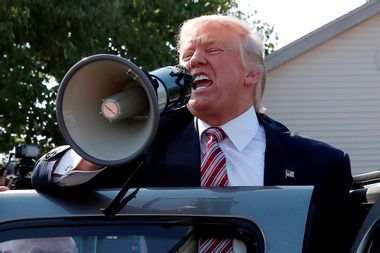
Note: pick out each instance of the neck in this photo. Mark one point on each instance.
(219, 119)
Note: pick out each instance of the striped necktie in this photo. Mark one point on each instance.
(213, 164)
(214, 174)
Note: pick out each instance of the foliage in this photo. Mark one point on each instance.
(42, 39)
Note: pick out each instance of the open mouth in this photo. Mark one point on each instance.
(201, 82)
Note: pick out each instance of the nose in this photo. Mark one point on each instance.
(197, 59)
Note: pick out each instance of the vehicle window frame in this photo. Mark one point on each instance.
(225, 227)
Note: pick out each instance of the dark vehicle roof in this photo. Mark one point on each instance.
(279, 213)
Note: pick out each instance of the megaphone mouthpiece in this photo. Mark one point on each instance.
(174, 87)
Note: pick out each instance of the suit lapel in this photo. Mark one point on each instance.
(279, 154)
(185, 155)
(173, 159)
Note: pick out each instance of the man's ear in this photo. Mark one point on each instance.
(251, 78)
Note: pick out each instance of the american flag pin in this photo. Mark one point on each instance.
(289, 173)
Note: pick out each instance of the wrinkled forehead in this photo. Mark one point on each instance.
(208, 33)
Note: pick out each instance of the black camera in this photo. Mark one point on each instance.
(27, 151)
(21, 164)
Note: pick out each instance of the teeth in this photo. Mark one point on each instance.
(197, 82)
(200, 78)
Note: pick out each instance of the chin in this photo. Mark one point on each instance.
(198, 108)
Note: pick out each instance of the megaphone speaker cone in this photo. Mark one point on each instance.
(107, 110)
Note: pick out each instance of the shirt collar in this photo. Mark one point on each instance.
(240, 130)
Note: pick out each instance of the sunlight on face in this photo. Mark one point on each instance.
(212, 54)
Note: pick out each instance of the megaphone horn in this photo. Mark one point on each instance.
(108, 109)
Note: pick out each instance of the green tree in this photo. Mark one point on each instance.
(42, 39)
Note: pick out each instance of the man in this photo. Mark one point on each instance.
(226, 61)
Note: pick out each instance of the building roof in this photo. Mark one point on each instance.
(322, 34)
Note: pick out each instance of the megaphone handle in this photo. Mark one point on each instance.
(118, 202)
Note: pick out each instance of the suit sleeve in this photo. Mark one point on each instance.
(42, 177)
(346, 176)
(331, 206)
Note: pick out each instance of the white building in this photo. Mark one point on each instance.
(326, 85)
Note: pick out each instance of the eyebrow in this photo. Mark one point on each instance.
(206, 41)
(210, 41)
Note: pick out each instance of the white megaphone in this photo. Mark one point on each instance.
(108, 109)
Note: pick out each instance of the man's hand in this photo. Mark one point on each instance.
(88, 166)
(3, 188)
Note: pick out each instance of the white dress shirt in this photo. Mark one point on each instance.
(65, 173)
(244, 149)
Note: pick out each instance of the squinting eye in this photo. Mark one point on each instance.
(214, 50)
(187, 57)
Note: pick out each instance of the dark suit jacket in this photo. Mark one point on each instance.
(290, 159)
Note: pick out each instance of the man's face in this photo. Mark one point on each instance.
(222, 87)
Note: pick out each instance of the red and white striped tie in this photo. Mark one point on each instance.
(215, 245)
(214, 174)
(213, 164)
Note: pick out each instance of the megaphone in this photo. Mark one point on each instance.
(108, 108)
